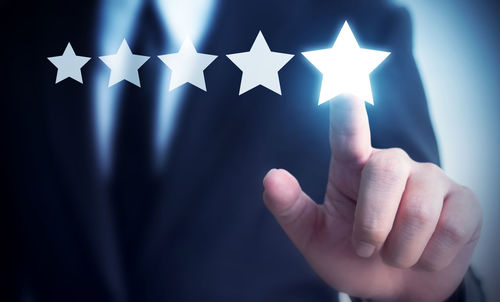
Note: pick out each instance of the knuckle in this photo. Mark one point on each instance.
(417, 215)
(398, 153)
(451, 233)
(431, 169)
(474, 205)
(468, 195)
(475, 211)
(390, 165)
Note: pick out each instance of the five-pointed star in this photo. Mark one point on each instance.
(124, 65)
(187, 66)
(260, 66)
(346, 67)
(69, 65)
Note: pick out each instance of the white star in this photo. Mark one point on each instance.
(124, 65)
(260, 66)
(69, 65)
(346, 67)
(187, 66)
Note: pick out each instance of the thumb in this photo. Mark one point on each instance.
(291, 207)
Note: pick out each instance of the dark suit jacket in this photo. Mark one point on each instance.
(195, 228)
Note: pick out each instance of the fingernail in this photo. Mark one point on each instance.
(364, 249)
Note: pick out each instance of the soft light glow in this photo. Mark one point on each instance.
(346, 67)
(186, 18)
(117, 21)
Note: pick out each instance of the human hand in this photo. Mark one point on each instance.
(390, 229)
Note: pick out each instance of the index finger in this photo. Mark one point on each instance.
(349, 130)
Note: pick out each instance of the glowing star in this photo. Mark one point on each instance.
(346, 67)
(124, 65)
(69, 65)
(187, 66)
(260, 66)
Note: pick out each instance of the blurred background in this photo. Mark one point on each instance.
(457, 48)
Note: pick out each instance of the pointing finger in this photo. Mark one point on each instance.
(349, 130)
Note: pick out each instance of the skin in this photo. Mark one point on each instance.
(390, 229)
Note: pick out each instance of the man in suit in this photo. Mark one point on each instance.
(91, 214)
